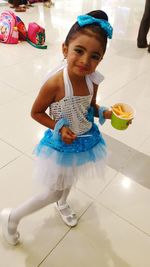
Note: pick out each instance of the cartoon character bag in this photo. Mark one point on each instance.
(8, 29)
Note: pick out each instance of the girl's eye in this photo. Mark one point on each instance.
(96, 57)
(78, 50)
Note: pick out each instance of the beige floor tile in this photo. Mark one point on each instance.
(7, 93)
(129, 200)
(22, 131)
(128, 68)
(102, 239)
(142, 96)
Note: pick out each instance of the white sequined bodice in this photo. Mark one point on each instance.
(73, 108)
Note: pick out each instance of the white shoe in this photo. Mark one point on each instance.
(12, 239)
(70, 219)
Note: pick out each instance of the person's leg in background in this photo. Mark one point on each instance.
(144, 27)
(16, 4)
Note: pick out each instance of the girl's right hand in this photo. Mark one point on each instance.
(67, 135)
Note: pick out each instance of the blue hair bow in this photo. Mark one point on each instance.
(104, 24)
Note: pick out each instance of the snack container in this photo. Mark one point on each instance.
(119, 122)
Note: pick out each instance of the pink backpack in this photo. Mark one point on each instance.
(36, 35)
(8, 29)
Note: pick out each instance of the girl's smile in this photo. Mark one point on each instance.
(82, 68)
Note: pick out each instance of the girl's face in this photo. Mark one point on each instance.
(83, 54)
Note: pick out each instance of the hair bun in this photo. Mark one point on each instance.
(99, 14)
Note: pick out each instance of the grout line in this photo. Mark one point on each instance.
(109, 183)
(22, 153)
(9, 162)
(53, 248)
(5, 165)
(11, 146)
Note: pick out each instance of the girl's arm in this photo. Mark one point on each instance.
(107, 114)
(45, 97)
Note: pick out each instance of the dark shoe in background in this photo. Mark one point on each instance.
(142, 45)
(148, 48)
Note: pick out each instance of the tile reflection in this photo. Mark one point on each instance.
(126, 183)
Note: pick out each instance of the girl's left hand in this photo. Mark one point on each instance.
(107, 114)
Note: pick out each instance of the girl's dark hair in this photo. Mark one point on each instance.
(96, 29)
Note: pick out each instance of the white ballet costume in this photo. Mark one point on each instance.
(58, 165)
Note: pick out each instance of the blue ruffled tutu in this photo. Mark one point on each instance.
(58, 165)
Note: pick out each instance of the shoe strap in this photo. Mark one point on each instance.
(63, 206)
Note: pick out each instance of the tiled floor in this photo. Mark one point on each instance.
(114, 224)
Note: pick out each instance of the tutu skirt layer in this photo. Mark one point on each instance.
(59, 167)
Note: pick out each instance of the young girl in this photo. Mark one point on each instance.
(73, 144)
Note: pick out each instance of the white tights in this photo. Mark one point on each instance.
(35, 203)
